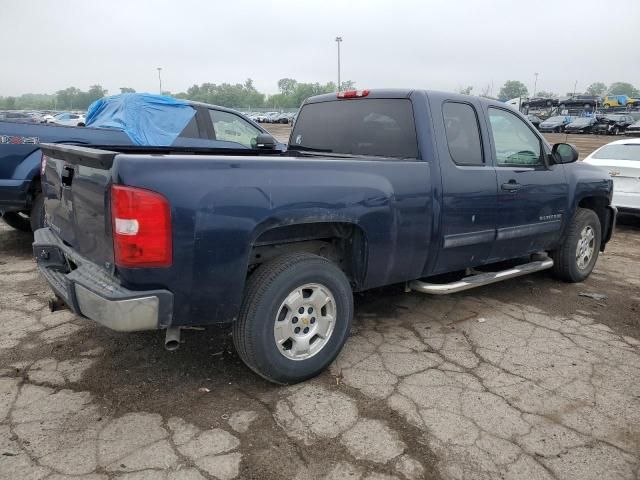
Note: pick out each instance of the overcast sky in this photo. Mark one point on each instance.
(48, 45)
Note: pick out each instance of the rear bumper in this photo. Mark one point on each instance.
(90, 291)
(629, 211)
(627, 201)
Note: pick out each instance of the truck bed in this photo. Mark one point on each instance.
(223, 203)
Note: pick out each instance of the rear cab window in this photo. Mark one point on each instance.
(463, 133)
(382, 127)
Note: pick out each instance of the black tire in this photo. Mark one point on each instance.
(266, 290)
(565, 265)
(558, 130)
(36, 216)
(17, 220)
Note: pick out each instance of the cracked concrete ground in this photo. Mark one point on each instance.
(520, 380)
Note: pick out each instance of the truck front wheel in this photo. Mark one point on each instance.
(575, 258)
(295, 318)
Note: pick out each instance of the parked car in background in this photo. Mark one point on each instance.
(539, 102)
(612, 124)
(284, 118)
(378, 187)
(266, 117)
(68, 119)
(555, 124)
(619, 101)
(621, 159)
(48, 117)
(19, 117)
(586, 102)
(36, 116)
(580, 125)
(21, 197)
(273, 117)
(633, 130)
(536, 121)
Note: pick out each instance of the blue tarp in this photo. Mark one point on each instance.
(152, 120)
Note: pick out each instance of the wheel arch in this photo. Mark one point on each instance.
(343, 242)
(599, 205)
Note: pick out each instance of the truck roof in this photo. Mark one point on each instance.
(405, 93)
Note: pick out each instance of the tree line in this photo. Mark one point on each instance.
(515, 88)
(291, 94)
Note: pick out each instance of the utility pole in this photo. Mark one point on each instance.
(535, 84)
(338, 41)
(160, 78)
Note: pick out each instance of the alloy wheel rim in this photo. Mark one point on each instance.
(585, 247)
(305, 321)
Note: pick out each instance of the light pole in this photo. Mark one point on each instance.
(338, 41)
(535, 84)
(160, 78)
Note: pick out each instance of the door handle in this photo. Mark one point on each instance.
(511, 186)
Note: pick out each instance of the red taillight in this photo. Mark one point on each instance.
(353, 94)
(141, 221)
(43, 166)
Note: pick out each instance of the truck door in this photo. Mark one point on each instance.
(532, 194)
(469, 186)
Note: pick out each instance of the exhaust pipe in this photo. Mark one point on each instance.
(172, 338)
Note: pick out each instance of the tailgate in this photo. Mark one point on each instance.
(77, 183)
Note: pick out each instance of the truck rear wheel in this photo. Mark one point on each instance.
(575, 258)
(295, 318)
(17, 220)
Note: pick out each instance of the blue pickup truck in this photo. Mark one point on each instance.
(376, 188)
(21, 196)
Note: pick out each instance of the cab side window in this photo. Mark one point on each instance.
(231, 128)
(514, 142)
(463, 134)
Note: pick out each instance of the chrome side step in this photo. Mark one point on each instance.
(479, 279)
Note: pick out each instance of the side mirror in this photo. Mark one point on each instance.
(564, 153)
(264, 141)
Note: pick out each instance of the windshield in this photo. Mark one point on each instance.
(379, 127)
(621, 151)
(555, 119)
